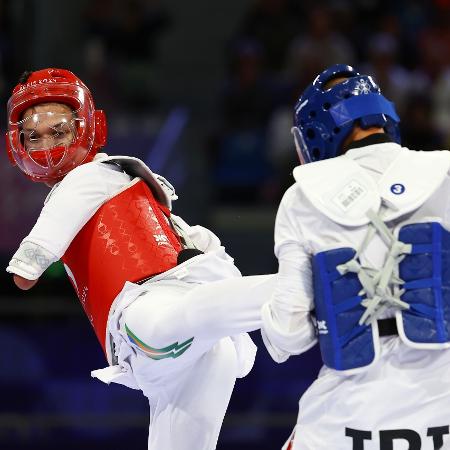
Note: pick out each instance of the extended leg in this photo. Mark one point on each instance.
(169, 319)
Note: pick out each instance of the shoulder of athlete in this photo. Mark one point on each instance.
(89, 174)
(291, 201)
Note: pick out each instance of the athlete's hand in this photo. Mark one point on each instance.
(23, 283)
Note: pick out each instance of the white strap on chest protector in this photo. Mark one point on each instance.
(162, 189)
(381, 287)
(185, 238)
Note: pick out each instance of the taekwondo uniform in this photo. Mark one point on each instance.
(363, 244)
(166, 301)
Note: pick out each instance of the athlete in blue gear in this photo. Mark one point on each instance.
(364, 256)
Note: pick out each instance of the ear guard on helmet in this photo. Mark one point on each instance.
(101, 129)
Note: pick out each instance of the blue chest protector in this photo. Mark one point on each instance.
(347, 344)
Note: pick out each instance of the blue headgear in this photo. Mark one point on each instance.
(324, 118)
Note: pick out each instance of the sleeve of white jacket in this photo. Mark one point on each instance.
(30, 261)
(287, 326)
(67, 208)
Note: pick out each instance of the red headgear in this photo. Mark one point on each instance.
(89, 125)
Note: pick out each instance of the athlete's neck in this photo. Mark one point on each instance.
(358, 134)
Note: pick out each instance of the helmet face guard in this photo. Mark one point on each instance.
(324, 117)
(53, 126)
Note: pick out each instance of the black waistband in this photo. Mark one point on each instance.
(187, 253)
(184, 255)
(387, 327)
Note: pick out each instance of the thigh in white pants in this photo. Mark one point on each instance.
(188, 391)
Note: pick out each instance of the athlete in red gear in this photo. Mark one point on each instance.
(169, 307)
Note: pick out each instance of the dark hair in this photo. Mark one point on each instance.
(24, 77)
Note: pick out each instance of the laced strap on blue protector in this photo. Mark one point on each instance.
(350, 297)
(362, 105)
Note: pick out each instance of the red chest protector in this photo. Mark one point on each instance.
(128, 239)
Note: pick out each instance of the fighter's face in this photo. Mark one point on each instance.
(47, 125)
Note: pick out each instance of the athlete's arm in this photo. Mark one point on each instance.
(23, 283)
(67, 208)
(28, 264)
(287, 326)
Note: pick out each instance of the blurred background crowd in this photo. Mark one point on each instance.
(203, 92)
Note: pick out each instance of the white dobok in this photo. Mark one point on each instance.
(203, 301)
(401, 400)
